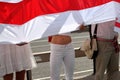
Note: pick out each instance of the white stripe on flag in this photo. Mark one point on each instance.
(10, 1)
(117, 29)
(99, 14)
(38, 28)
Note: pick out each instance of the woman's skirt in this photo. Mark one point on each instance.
(14, 58)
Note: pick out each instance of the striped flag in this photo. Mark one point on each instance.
(117, 24)
(27, 20)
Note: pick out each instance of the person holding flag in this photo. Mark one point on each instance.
(108, 49)
(62, 51)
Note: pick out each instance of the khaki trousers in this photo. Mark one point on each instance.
(107, 59)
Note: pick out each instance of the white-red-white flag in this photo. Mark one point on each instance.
(27, 20)
(117, 24)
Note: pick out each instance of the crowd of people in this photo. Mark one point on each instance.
(106, 60)
(18, 58)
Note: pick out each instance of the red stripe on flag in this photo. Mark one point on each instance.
(117, 24)
(19, 13)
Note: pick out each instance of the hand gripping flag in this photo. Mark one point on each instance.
(27, 20)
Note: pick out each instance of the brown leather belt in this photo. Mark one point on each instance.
(105, 40)
(114, 42)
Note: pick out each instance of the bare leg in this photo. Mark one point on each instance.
(8, 77)
(20, 75)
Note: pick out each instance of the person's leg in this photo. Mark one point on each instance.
(20, 75)
(113, 66)
(69, 60)
(102, 59)
(8, 77)
(56, 59)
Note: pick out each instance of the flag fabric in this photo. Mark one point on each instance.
(27, 20)
(117, 24)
